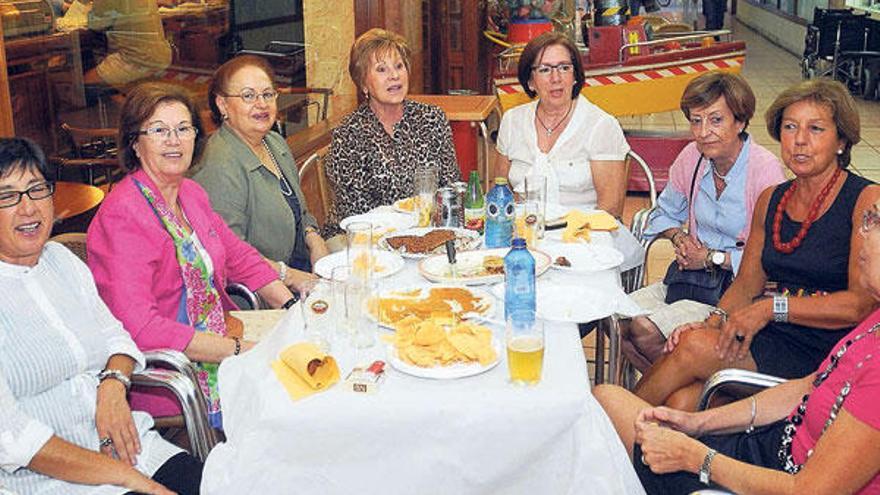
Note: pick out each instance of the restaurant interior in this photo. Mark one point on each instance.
(57, 89)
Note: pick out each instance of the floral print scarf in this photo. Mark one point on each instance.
(200, 303)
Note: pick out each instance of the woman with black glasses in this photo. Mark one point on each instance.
(250, 175)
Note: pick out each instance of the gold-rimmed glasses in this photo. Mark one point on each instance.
(250, 96)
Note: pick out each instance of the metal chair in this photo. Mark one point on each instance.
(736, 383)
(173, 371)
(632, 279)
(242, 294)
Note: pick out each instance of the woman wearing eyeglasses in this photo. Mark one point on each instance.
(161, 256)
(250, 175)
(561, 135)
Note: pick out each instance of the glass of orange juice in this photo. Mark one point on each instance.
(524, 334)
(425, 183)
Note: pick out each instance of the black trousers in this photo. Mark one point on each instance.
(181, 474)
(759, 448)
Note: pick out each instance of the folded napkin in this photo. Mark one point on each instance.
(579, 225)
(304, 370)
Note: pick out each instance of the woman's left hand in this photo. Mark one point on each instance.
(740, 328)
(691, 254)
(113, 420)
(665, 450)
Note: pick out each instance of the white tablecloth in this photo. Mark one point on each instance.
(472, 435)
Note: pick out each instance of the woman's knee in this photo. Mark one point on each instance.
(695, 346)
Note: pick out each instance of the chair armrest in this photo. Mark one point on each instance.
(736, 382)
(253, 299)
(192, 403)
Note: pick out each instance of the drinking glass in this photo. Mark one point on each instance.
(527, 219)
(318, 306)
(535, 188)
(362, 327)
(424, 187)
(339, 279)
(524, 335)
(359, 239)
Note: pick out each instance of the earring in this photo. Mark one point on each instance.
(223, 116)
(840, 151)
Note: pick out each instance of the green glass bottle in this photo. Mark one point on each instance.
(474, 204)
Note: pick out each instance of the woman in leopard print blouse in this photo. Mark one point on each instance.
(376, 150)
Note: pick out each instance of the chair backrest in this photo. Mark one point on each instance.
(92, 142)
(74, 241)
(315, 186)
(634, 158)
(659, 254)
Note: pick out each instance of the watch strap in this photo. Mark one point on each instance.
(780, 309)
(706, 468)
(116, 375)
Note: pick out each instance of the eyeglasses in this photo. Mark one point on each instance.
(870, 219)
(544, 70)
(250, 96)
(35, 192)
(161, 132)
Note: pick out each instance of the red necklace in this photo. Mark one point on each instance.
(789, 247)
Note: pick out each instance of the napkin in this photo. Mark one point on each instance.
(292, 370)
(577, 229)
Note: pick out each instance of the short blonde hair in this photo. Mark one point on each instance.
(370, 44)
(833, 95)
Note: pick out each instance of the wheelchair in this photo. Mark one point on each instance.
(844, 45)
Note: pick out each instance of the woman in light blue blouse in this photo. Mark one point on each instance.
(713, 186)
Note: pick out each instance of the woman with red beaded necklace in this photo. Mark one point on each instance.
(797, 292)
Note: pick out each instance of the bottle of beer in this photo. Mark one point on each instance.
(474, 204)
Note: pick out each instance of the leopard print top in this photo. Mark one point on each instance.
(367, 167)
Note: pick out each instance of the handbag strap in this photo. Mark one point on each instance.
(691, 195)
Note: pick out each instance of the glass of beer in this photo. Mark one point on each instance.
(527, 222)
(525, 347)
(318, 305)
(359, 239)
(535, 188)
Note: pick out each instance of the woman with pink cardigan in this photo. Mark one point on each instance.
(161, 256)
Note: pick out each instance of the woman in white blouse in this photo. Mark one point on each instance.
(561, 135)
(65, 362)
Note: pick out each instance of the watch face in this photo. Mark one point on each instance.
(718, 258)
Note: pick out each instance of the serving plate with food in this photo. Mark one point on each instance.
(445, 304)
(383, 222)
(485, 266)
(434, 348)
(406, 205)
(422, 242)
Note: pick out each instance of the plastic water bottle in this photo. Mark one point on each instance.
(499, 215)
(519, 279)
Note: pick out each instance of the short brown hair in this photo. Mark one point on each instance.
(830, 93)
(706, 88)
(370, 44)
(225, 73)
(535, 49)
(140, 103)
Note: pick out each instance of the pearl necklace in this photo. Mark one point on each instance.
(550, 130)
(284, 185)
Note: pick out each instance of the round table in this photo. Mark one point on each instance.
(72, 199)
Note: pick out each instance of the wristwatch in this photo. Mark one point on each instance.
(116, 375)
(780, 309)
(706, 468)
(282, 270)
(715, 258)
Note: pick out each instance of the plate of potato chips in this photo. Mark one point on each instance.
(444, 304)
(433, 349)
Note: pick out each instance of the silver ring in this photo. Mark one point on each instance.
(106, 442)
(740, 338)
(643, 460)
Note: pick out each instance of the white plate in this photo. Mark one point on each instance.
(451, 372)
(567, 303)
(488, 302)
(465, 240)
(555, 212)
(390, 263)
(584, 258)
(470, 267)
(382, 220)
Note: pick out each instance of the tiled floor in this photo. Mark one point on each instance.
(769, 70)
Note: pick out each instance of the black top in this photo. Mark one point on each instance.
(820, 265)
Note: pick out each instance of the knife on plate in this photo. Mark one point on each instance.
(450, 257)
